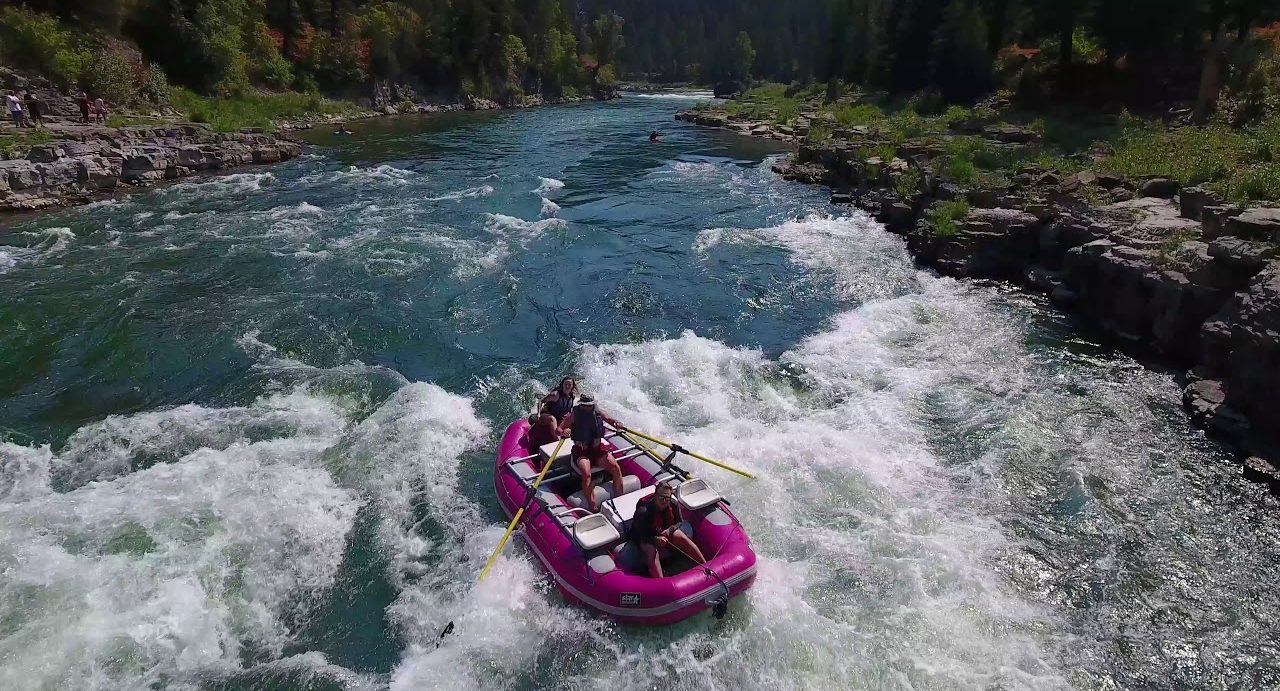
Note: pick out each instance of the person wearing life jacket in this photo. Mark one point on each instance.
(585, 424)
(559, 402)
(542, 431)
(657, 527)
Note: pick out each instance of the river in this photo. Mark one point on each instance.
(249, 424)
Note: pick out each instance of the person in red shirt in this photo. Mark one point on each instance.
(657, 526)
(544, 431)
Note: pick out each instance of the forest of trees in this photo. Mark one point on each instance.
(1107, 49)
(490, 48)
(960, 49)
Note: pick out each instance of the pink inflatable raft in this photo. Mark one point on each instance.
(590, 556)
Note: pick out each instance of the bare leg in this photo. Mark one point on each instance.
(651, 558)
(584, 469)
(615, 471)
(690, 549)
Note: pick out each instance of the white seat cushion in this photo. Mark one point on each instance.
(696, 494)
(594, 531)
(565, 449)
(621, 510)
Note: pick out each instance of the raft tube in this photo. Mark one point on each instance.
(608, 574)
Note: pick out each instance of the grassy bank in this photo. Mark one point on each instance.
(256, 109)
(1242, 164)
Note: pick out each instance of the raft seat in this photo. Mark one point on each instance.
(696, 495)
(622, 510)
(594, 531)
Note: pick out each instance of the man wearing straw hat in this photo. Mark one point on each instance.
(585, 424)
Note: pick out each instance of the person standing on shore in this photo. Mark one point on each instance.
(83, 100)
(35, 110)
(14, 105)
(100, 110)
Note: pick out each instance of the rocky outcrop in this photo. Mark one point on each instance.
(1176, 274)
(85, 162)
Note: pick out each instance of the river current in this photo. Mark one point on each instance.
(248, 427)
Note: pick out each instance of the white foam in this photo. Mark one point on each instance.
(547, 186)
(838, 247)
(549, 208)
(163, 575)
(502, 224)
(481, 191)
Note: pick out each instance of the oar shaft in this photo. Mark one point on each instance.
(515, 520)
(691, 454)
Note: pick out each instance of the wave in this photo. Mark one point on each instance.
(549, 208)
(481, 191)
(548, 186)
(502, 224)
(838, 247)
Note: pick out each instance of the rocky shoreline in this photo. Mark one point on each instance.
(85, 163)
(1177, 275)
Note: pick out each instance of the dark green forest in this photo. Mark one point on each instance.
(1092, 50)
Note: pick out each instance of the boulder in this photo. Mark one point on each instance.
(1263, 471)
(1242, 343)
(1193, 200)
(1213, 219)
(1243, 257)
(20, 174)
(1162, 188)
(1256, 224)
(46, 153)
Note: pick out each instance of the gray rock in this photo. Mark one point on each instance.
(1260, 470)
(1162, 188)
(1193, 200)
(1213, 219)
(1256, 224)
(1243, 256)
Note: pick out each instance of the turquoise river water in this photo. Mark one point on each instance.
(248, 425)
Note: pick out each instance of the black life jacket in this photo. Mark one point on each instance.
(559, 407)
(659, 519)
(588, 427)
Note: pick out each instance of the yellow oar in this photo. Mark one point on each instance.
(515, 520)
(691, 454)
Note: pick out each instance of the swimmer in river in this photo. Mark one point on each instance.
(342, 129)
(655, 136)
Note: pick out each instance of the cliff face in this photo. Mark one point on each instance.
(82, 163)
(1175, 274)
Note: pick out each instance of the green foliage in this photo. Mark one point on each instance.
(38, 42)
(908, 183)
(111, 77)
(1191, 155)
(945, 215)
(255, 109)
(743, 57)
(818, 134)
(859, 114)
(16, 143)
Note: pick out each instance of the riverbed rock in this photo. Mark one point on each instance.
(1162, 188)
(1193, 200)
(1256, 224)
(86, 161)
(1263, 471)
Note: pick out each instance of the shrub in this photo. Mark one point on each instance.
(254, 109)
(1257, 182)
(111, 77)
(908, 183)
(860, 114)
(155, 85)
(818, 134)
(37, 42)
(944, 215)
